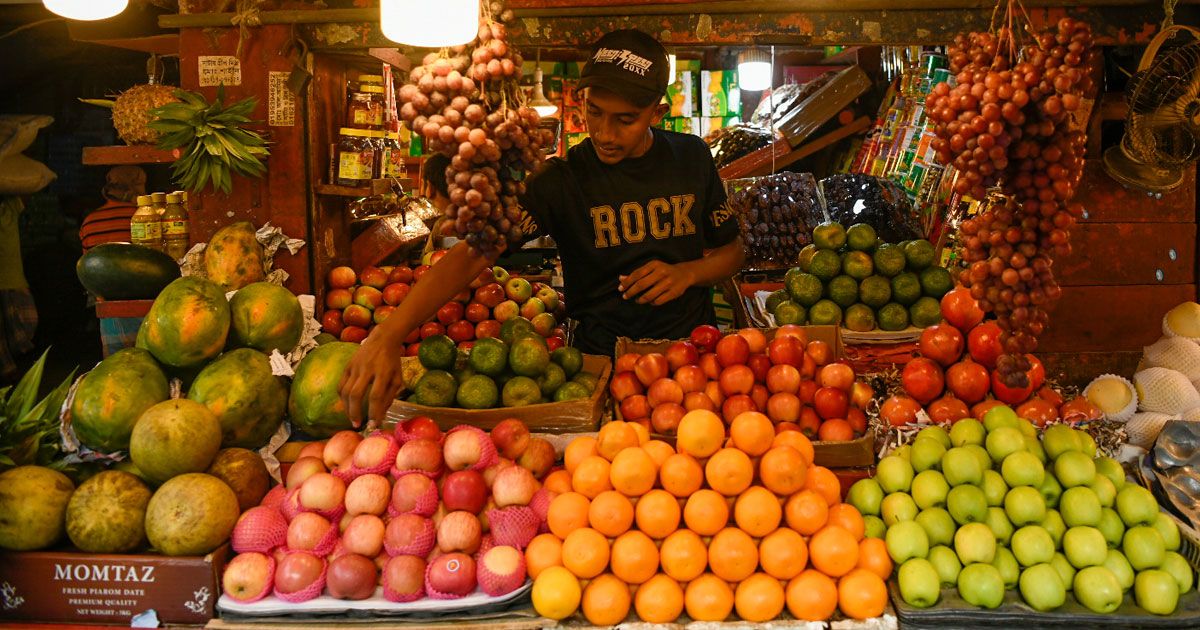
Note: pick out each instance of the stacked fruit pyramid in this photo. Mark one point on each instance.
(988, 507)
(728, 522)
(848, 277)
(414, 511)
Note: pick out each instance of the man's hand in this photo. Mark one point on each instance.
(373, 371)
(656, 282)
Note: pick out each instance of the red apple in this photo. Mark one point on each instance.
(705, 337)
(373, 277)
(452, 573)
(665, 418)
(532, 308)
(786, 350)
(351, 576)
(466, 346)
(694, 400)
(484, 277)
(794, 331)
(461, 531)
(808, 389)
(421, 427)
(511, 437)
(382, 313)
(518, 290)
(450, 312)
(554, 343)
(736, 379)
(983, 342)
(463, 449)
(736, 405)
(247, 576)
(651, 367)
(691, 378)
(710, 366)
(820, 352)
(857, 421)
(733, 350)
(755, 338)
(331, 322)
(759, 364)
(339, 449)
(322, 492)
(549, 298)
(368, 494)
(430, 329)
(296, 571)
(487, 328)
(501, 570)
(464, 490)
(460, 331)
(664, 390)
(538, 458)
(413, 336)
(810, 422)
(712, 389)
(506, 310)
(395, 293)
(342, 278)
(405, 532)
(419, 271)
(783, 407)
(837, 375)
(861, 395)
(513, 485)
(923, 380)
(339, 298)
(543, 324)
(357, 315)
(303, 468)
(635, 408)
(354, 334)
(405, 575)
(369, 297)
(681, 353)
(419, 454)
(489, 473)
(490, 295)
(626, 362)
(624, 385)
(831, 402)
(364, 535)
(400, 274)
(313, 449)
(307, 530)
(476, 312)
(783, 378)
(759, 395)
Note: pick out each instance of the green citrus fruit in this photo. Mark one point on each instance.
(892, 317)
(843, 290)
(919, 254)
(569, 359)
(435, 388)
(488, 356)
(515, 327)
(925, 312)
(936, 282)
(806, 255)
(528, 357)
(825, 264)
(829, 235)
(589, 381)
(775, 298)
(857, 265)
(805, 289)
(861, 237)
(551, 379)
(437, 352)
(889, 260)
(875, 291)
(520, 391)
(825, 313)
(789, 312)
(860, 318)
(477, 392)
(571, 391)
(906, 288)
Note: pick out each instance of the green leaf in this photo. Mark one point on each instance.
(4, 393)
(191, 98)
(22, 398)
(6, 460)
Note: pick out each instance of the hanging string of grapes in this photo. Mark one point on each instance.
(467, 104)
(1006, 126)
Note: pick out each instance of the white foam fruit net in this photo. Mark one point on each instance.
(1143, 428)
(1165, 390)
(1176, 353)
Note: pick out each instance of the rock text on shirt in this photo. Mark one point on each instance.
(633, 221)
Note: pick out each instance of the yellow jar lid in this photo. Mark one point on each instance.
(371, 89)
(144, 200)
(158, 197)
(370, 78)
(174, 198)
(357, 133)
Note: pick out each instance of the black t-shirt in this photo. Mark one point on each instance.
(609, 220)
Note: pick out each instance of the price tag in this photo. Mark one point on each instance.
(282, 103)
(220, 70)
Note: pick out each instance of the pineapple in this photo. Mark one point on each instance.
(131, 112)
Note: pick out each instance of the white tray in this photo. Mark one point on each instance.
(272, 606)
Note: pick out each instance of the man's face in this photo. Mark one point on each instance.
(618, 128)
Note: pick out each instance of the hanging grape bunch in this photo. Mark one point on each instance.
(465, 101)
(1007, 124)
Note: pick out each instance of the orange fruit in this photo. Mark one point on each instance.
(558, 481)
(847, 517)
(757, 511)
(681, 475)
(752, 433)
(729, 471)
(577, 450)
(585, 553)
(706, 512)
(615, 437)
(873, 556)
(659, 451)
(812, 596)
(833, 551)
(642, 429)
(822, 480)
(798, 441)
(610, 513)
(732, 555)
(708, 598)
(659, 600)
(633, 472)
(806, 512)
(759, 598)
(782, 470)
(544, 551)
(835, 430)
(556, 593)
(568, 512)
(683, 555)
(783, 554)
(591, 476)
(634, 557)
(658, 514)
(606, 600)
(700, 433)
(862, 594)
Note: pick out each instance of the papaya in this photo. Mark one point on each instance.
(174, 437)
(111, 398)
(266, 317)
(187, 325)
(314, 405)
(233, 257)
(247, 399)
(107, 513)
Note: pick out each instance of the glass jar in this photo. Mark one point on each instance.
(145, 226)
(175, 230)
(159, 201)
(393, 157)
(365, 103)
(358, 157)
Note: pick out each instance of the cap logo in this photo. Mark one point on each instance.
(624, 59)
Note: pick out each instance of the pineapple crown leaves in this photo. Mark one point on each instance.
(213, 144)
(28, 427)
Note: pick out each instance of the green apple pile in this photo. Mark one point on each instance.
(988, 507)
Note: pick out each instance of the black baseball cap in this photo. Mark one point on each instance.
(630, 63)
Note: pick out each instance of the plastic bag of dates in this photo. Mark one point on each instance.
(777, 214)
(855, 198)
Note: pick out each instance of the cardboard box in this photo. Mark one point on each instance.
(720, 95)
(76, 587)
(573, 416)
(681, 94)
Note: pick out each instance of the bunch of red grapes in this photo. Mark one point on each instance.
(466, 103)
(1007, 124)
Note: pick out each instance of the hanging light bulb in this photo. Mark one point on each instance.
(86, 9)
(429, 25)
(754, 70)
(539, 102)
(672, 64)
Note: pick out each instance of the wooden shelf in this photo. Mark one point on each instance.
(124, 154)
(377, 187)
(167, 44)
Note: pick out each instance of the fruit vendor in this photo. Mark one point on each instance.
(639, 216)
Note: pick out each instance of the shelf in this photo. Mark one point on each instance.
(124, 154)
(377, 187)
(167, 44)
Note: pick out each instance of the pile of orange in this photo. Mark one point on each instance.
(740, 524)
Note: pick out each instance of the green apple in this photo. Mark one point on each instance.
(967, 431)
(1050, 491)
(1136, 505)
(967, 504)
(1079, 506)
(1112, 527)
(1087, 444)
(1097, 588)
(1024, 506)
(1033, 445)
(1032, 545)
(1054, 525)
(946, 562)
(973, 542)
(998, 522)
(1058, 439)
(994, 488)
(1144, 547)
(1003, 442)
(1119, 566)
(1169, 530)
(897, 507)
(960, 466)
(1073, 468)
(1042, 587)
(936, 432)
(874, 527)
(1027, 428)
(1156, 591)
(938, 525)
(929, 489)
(1007, 565)
(904, 452)
(926, 454)
(920, 583)
(1110, 468)
(1023, 469)
(1173, 563)
(980, 584)
(905, 540)
(999, 416)
(865, 495)
(1105, 491)
(1084, 546)
(981, 454)
(894, 474)
(1065, 571)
